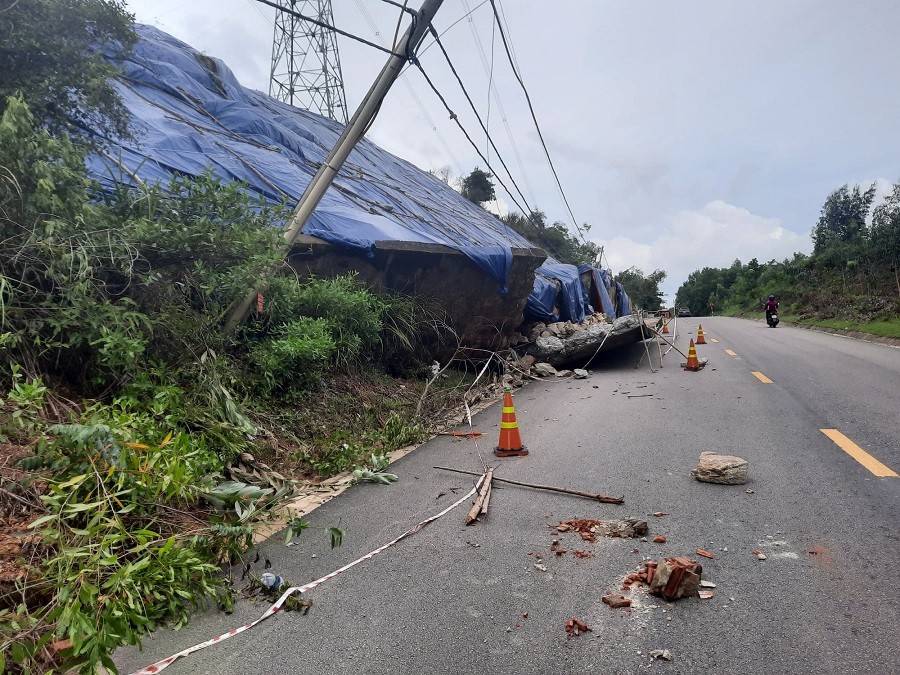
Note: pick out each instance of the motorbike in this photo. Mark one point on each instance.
(772, 319)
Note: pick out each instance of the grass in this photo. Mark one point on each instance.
(881, 327)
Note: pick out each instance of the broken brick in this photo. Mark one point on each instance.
(616, 600)
(659, 539)
(575, 627)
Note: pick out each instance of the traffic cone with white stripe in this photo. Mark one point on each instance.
(693, 363)
(701, 338)
(510, 444)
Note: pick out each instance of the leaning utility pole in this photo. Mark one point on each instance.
(306, 66)
(353, 132)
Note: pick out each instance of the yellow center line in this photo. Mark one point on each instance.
(730, 353)
(859, 454)
(762, 378)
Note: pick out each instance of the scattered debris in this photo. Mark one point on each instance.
(722, 469)
(556, 548)
(705, 553)
(676, 577)
(616, 600)
(580, 374)
(639, 395)
(473, 544)
(661, 654)
(575, 627)
(644, 576)
(589, 529)
(543, 369)
(271, 581)
(660, 514)
(583, 554)
(524, 615)
(706, 584)
(659, 539)
(564, 373)
(597, 498)
(461, 434)
(705, 595)
(540, 567)
(759, 555)
(749, 492)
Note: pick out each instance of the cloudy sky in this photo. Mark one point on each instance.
(687, 134)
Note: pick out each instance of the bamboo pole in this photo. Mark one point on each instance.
(597, 498)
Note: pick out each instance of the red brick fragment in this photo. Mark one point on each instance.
(659, 539)
(575, 627)
(705, 553)
(616, 600)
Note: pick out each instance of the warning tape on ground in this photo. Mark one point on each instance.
(274, 609)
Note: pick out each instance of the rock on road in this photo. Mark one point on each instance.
(454, 599)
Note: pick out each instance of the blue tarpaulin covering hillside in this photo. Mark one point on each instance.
(192, 115)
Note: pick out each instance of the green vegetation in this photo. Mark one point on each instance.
(49, 56)
(851, 280)
(130, 403)
(555, 239)
(643, 289)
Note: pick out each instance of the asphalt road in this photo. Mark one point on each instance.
(453, 599)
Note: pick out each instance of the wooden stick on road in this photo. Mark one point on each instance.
(484, 496)
(597, 498)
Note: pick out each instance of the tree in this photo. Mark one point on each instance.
(477, 187)
(555, 239)
(52, 53)
(843, 217)
(885, 235)
(643, 290)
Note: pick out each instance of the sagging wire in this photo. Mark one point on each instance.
(534, 118)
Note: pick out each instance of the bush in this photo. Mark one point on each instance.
(297, 356)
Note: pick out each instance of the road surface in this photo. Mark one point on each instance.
(456, 599)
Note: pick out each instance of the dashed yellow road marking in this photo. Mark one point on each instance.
(730, 353)
(762, 378)
(713, 340)
(859, 454)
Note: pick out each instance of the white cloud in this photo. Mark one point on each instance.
(712, 236)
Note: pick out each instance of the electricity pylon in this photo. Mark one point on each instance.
(306, 67)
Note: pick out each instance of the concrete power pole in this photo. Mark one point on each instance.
(353, 132)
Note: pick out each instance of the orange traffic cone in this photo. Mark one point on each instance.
(510, 444)
(693, 363)
(701, 338)
(665, 327)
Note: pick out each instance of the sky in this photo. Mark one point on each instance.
(686, 134)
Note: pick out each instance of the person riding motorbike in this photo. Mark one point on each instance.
(771, 306)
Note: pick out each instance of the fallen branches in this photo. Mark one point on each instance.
(595, 497)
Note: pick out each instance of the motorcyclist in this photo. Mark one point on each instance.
(771, 306)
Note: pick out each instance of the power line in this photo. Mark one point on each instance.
(497, 97)
(455, 118)
(412, 92)
(322, 24)
(534, 118)
(478, 117)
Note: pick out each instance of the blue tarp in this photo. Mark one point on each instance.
(192, 115)
(568, 298)
(601, 283)
(623, 302)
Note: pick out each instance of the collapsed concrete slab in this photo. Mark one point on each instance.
(583, 344)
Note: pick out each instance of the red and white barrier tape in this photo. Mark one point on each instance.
(165, 663)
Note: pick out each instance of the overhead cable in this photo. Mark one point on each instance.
(478, 117)
(497, 98)
(322, 24)
(534, 118)
(455, 118)
(412, 92)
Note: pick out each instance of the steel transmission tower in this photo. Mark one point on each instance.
(306, 68)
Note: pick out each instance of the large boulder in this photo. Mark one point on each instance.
(558, 350)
